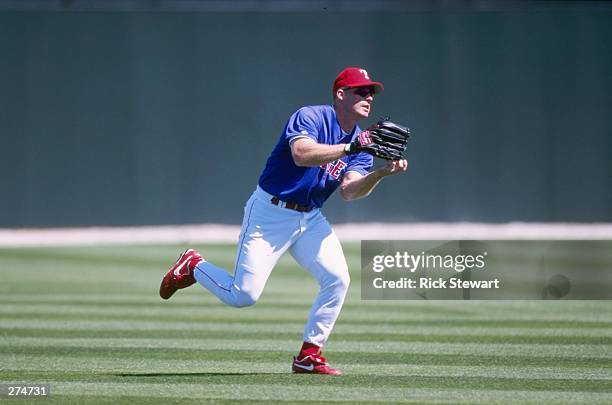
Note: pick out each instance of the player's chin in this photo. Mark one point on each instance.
(364, 112)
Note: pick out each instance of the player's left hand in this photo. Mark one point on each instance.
(393, 167)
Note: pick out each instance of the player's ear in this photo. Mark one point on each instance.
(340, 94)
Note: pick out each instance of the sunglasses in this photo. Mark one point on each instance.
(364, 91)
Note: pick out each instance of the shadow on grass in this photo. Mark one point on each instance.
(188, 374)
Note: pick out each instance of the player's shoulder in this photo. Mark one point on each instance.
(322, 115)
(315, 110)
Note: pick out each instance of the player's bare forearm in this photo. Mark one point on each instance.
(308, 153)
(355, 185)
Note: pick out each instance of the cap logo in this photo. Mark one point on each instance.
(364, 73)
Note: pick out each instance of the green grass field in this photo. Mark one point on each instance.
(89, 322)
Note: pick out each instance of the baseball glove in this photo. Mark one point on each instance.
(385, 139)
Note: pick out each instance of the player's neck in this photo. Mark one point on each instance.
(346, 120)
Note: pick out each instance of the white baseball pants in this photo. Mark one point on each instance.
(267, 232)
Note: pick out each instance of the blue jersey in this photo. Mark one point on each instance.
(310, 186)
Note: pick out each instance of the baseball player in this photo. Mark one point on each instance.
(320, 149)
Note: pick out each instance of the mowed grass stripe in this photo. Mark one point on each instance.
(131, 400)
(283, 378)
(41, 366)
(163, 308)
(238, 323)
(466, 310)
(176, 310)
(424, 312)
(278, 293)
(261, 332)
(245, 322)
(399, 359)
(495, 349)
(331, 392)
(141, 298)
(254, 315)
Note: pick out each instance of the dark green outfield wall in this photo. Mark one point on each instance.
(113, 118)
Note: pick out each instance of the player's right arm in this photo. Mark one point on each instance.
(355, 185)
(306, 152)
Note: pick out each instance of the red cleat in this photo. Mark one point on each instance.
(313, 364)
(181, 274)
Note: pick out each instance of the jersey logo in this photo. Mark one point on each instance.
(334, 168)
(365, 138)
(364, 73)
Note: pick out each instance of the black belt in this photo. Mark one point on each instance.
(290, 205)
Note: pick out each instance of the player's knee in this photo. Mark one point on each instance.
(344, 281)
(245, 299)
(341, 281)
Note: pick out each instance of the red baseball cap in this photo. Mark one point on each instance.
(356, 77)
